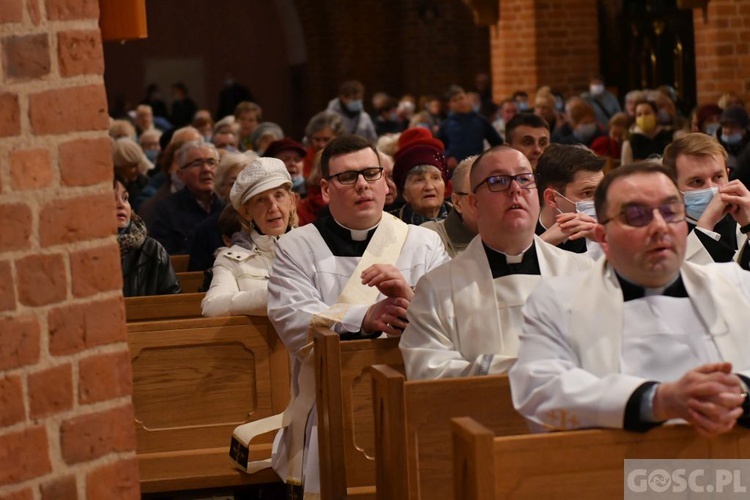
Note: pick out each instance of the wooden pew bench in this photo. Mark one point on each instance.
(194, 381)
(179, 262)
(586, 464)
(345, 413)
(190, 281)
(413, 428)
(160, 307)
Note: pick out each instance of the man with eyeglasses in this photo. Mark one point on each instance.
(643, 337)
(352, 270)
(465, 317)
(177, 216)
(718, 210)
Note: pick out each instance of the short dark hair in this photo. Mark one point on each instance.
(342, 145)
(559, 164)
(351, 88)
(452, 91)
(524, 119)
(641, 167)
(646, 101)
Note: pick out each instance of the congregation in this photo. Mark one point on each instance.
(594, 249)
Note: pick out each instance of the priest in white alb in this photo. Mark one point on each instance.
(465, 316)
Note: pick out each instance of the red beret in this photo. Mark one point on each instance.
(707, 111)
(418, 135)
(414, 156)
(284, 144)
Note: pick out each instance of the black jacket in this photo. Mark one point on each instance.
(148, 271)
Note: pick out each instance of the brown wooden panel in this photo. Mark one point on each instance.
(179, 263)
(190, 281)
(158, 307)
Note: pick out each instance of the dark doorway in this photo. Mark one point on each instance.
(648, 43)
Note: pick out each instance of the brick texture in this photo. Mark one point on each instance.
(88, 437)
(80, 52)
(16, 231)
(104, 376)
(41, 279)
(26, 57)
(66, 110)
(51, 391)
(67, 10)
(85, 162)
(77, 327)
(10, 115)
(25, 494)
(19, 342)
(76, 219)
(11, 11)
(96, 270)
(722, 50)
(25, 455)
(30, 169)
(11, 401)
(7, 288)
(114, 481)
(34, 13)
(61, 489)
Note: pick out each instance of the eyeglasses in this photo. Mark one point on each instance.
(497, 183)
(642, 215)
(211, 162)
(351, 176)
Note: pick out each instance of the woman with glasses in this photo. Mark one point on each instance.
(262, 194)
(419, 173)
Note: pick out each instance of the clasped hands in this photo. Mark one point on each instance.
(709, 397)
(388, 315)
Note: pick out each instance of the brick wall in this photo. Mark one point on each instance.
(550, 42)
(66, 418)
(722, 49)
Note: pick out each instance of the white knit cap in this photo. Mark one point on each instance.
(261, 175)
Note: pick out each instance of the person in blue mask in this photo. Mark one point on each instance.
(734, 135)
(349, 105)
(717, 209)
(567, 177)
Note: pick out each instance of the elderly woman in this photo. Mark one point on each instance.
(419, 176)
(263, 197)
(146, 269)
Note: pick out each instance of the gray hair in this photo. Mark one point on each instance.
(265, 129)
(324, 120)
(227, 163)
(461, 174)
(420, 169)
(191, 145)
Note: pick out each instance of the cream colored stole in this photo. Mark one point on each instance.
(384, 248)
(597, 316)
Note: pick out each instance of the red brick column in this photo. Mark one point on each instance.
(722, 49)
(550, 42)
(66, 417)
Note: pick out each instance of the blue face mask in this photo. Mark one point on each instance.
(475, 108)
(697, 201)
(731, 139)
(354, 106)
(523, 106)
(584, 133)
(151, 154)
(663, 117)
(711, 129)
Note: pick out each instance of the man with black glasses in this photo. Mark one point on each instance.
(465, 316)
(643, 337)
(352, 271)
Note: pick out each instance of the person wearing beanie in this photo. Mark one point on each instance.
(419, 174)
(263, 197)
(734, 135)
(146, 268)
(130, 163)
(292, 153)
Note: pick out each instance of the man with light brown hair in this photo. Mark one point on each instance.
(718, 210)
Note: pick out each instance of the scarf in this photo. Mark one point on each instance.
(132, 236)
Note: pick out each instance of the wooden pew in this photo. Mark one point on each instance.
(345, 415)
(160, 307)
(194, 381)
(190, 281)
(413, 428)
(586, 464)
(179, 263)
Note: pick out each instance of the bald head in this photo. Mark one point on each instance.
(498, 160)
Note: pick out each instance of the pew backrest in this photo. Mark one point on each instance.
(585, 464)
(194, 381)
(345, 411)
(162, 307)
(179, 262)
(413, 428)
(190, 281)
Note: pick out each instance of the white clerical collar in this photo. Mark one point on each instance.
(357, 234)
(513, 259)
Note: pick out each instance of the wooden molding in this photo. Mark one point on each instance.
(122, 19)
(486, 12)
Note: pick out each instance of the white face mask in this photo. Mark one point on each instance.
(582, 207)
(697, 201)
(596, 89)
